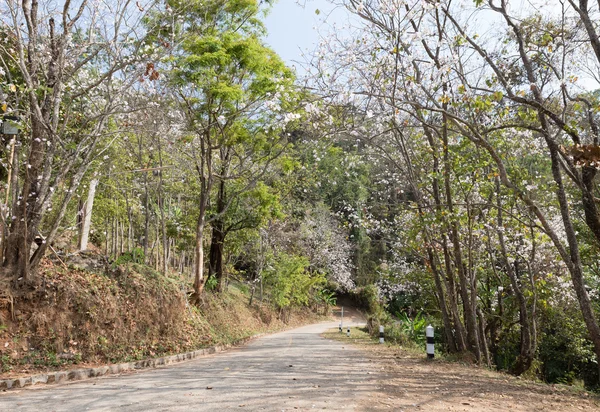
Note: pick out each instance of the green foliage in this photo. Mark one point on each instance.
(367, 298)
(564, 351)
(326, 297)
(211, 283)
(7, 363)
(413, 328)
(135, 256)
(291, 284)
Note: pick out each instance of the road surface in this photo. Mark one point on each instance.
(295, 370)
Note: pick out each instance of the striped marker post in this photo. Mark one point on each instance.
(348, 332)
(381, 340)
(430, 346)
(340, 328)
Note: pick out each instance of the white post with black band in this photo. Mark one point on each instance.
(430, 346)
(381, 340)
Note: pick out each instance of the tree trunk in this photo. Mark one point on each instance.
(450, 341)
(459, 331)
(483, 340)
(216, 254)
(23, 227)
(161, 201)
(86, 218)
(468, 307)
(575, 266)
(146, 217)
(12, 174)
(199, 279)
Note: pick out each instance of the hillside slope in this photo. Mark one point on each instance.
(78, 317)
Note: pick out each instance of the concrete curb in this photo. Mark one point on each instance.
(114, 369)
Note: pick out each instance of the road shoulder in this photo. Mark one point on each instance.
(410, 382)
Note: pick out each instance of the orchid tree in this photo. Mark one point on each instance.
(419, 70)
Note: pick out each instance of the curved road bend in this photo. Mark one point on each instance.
(288, 371)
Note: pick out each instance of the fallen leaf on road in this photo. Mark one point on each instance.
(209, 387)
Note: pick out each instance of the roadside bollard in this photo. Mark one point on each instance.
(430, 346)
(340, 328)
(381, 340)
(348, 332)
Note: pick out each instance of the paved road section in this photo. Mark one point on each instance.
(288, 371)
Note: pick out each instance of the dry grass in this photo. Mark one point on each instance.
(410, 382)
(131, 313)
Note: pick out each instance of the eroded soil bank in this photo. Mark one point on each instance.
(76, 318)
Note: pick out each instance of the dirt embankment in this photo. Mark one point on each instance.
(78, 318)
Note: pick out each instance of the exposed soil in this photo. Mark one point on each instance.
(77, 318)
(410, 382)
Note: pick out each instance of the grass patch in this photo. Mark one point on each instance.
(360, 336)
(357, 336)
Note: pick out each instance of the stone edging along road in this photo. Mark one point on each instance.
(86, 373)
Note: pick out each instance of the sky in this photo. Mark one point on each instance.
(293, 29)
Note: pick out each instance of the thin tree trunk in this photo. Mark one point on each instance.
(86, 218)
(106, 236)
(459, 335)
(10, 185)
(161, 206)
(146, 217)
(199, 279)
(469, 313)
(216, 254)
(450, 341)
(484, 345)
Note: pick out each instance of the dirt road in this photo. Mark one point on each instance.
(289, 371)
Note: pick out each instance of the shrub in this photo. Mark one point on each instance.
(290, 283)
(135, 256)
(367, 298)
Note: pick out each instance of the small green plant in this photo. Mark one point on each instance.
(327, 297)
(211, 283)
(135, 256)
(53, 360)
(6, 362)
(414, 329)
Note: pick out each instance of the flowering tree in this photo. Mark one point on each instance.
(421, 66)
(74, 65)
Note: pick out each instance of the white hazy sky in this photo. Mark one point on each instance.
(293, 29)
